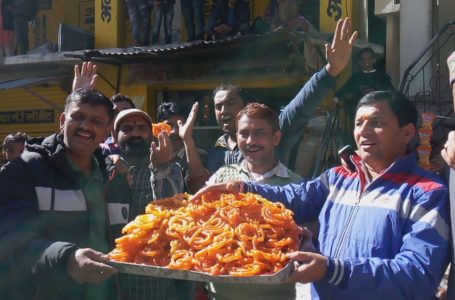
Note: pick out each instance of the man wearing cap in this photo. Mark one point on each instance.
(141, 173)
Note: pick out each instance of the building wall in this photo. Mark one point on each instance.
(415, 33)
(46, 25)
(22, 111)
(383, 7)
(409, 29)
(446, 13)
(393, 48)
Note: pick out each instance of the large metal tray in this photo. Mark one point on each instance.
(147, 270)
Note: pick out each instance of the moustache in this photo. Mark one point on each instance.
(135, 147)
(135, 141)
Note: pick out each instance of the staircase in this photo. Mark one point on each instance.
(426, 82)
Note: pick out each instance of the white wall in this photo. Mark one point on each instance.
(415, 32)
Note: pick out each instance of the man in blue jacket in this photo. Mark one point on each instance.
(383, 224)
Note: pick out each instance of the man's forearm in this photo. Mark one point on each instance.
(198, 174)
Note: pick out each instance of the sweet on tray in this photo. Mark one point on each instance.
(219, 234)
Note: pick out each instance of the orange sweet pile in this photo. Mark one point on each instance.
(220, 234)
(157, 128)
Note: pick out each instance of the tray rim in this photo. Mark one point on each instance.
(164, 272)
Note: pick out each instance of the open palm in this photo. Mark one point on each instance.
(339, 52)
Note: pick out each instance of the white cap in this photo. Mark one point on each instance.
(130, 112)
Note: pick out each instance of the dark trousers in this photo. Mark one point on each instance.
(165, 14)
(21, 30)
(193, 11)
(139, 14)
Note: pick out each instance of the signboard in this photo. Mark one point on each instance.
(333, 10)
(110, 18)
(27, 116)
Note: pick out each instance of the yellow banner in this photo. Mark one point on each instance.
(87, 15)
(109, 23)
(331, 11)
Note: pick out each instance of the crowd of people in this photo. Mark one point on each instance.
(228, 18)
(378, 224)
(14, 18)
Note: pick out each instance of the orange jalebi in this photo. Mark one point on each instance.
(157, 128)
(220, 234)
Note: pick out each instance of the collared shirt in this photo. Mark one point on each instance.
(369, 72)
(279, 170)
(221, 154)
(279, 175)
(141, 190)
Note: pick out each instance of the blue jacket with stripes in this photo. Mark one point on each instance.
(387, 238)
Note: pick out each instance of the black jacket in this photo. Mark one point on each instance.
(43, 216)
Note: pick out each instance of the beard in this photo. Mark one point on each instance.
(135, 147)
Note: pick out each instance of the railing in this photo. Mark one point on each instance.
(434, 94)
(426, 79)
(331, 141)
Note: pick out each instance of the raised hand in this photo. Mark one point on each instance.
(339, 52)
(186, 130)
(85, 77)
(89, 266)
(161, 154)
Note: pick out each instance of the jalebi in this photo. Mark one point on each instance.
(157, 128)
(220, 234)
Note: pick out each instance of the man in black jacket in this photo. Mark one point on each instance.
(53, 221)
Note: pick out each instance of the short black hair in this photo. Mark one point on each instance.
(169, 109)
(230, 87)
(91, 97)
(366, 50)
(403, 108)
(117, 98)
(18, 137)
